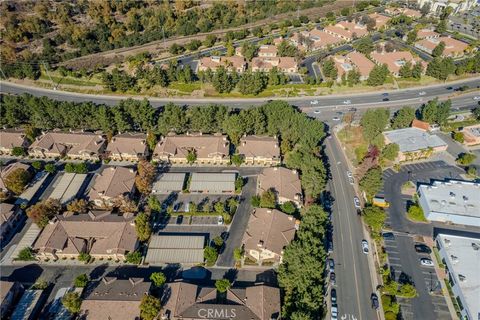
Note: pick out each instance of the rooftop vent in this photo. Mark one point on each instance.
(475, 246)
(462, 278)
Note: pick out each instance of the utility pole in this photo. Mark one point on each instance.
(48, 74)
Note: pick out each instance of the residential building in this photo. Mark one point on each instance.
(471, 135)
(427, 34)
(181, 248)
(437, 6)
(128, 147)
(283, 64)
(9, 217)
(268, 232)
(111, 185)
(208, 149)
(452, 201)
(313, 40)
(453, 48)
(212, 183)
(186, 301)
(101, 234)
(267, 51)
(394, 60)
(12, 138)
(259, 150)
(460, 255)
(7, 170)
(113, 298)
(411, 13)
(81, 145)
(353, 61)
(29, 306)
(347, 30)
(285, 183)
(380, 20)
(235, 63)
(414, 143)
(422, 125)
(9, 294)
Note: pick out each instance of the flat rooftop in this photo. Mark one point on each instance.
(452, 197)
(413, 139)
(215, 183)
(164, 249)
(462, 260)
(168, 182)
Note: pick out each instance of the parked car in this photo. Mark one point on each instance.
(180, 219)
(365, 246)
(331, 265)
(332, 278)
(352, 109)
(349, 174)
(422, 248)
(336, 119)
(426, 262)
(359, 212)
(374, 299)
(220, 220)
(330, 246)
(334, 312)
(388, 236)
(317, 111)
(351, 180)
(356, 202)
(333, 295)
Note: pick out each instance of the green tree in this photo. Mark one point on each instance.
(466, 158)
(378, 75)
(407, 290)
(412, 37)
(440, 68)
(239, 182)
(476, 113)
(417, 70)
(210, 40)
(150, 307)
(374, 217)
(222, 285)
(72, 302)
(238, 254)
(364, 45)
(17, 180)
(81, 281)
(372, 182)
(285, 49)
(249, 50)
(158, 279)
(458, 136)
(50, 168)
(37, 165)
(84, 257)
(406, 70)
(374, 122)
(134, 257)
(289, 207)
(252, 82)
(43, 211)
(210, 254)
(438, 50)
(18, 152)
(390, 151)
(329, 69)
(142, 226)
(237, 159)
(435, 111)
(353, 77)
(268, 199)
(26, 254)
(218, 241)
(223, 81)
(472, 172)
(255, 201)
(403, 118)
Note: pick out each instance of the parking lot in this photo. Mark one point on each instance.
(180, 201)
(405, 265)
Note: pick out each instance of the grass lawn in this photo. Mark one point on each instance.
(185, 87)
(452, 126)
(415, 213)
(58, 79)
(355, 145)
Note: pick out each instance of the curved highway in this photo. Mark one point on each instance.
(404, 96)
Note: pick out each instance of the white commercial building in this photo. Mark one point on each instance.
(461, 256)
(452, 201)
(437, 6)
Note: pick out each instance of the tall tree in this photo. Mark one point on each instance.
(378, 75)
(374, 122)
(403, 118)
(438, 50)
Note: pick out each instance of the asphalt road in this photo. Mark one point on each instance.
(401, 96)
(353, 281)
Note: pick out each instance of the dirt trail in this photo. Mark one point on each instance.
(157, 47)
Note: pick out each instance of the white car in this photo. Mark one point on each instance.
(336, 119)
(426, 262)
(365, 246)
(349, 174)
(422, 93)
(334, 312)
(476, 98)
(314, 102)
(351, 180)
(220, 220)
(356, 202)
(316, 111)
(347, 102)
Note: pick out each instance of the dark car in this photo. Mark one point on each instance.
(333, 296)
(179, 219)
(385, 94)
(388, 235)
(330, 247)
(332, 278)
(422, 248)
(449, 88)
(385, 99)
(352, 109)
(374, 299)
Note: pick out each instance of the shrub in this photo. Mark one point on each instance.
(210, 254)
(289, 207)
(458, 136)
(466, 158)
(238, 254)
(415, 213)
(81, 281)
(18, 152)
(26, 254)
(255, 201)
(158, 279)
(218, 241)
(50, 168)
(85, 257)
(222, 285)
(71, 301)
(134, 257)
(150, 307)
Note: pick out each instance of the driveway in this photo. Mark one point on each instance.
(238, 225)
